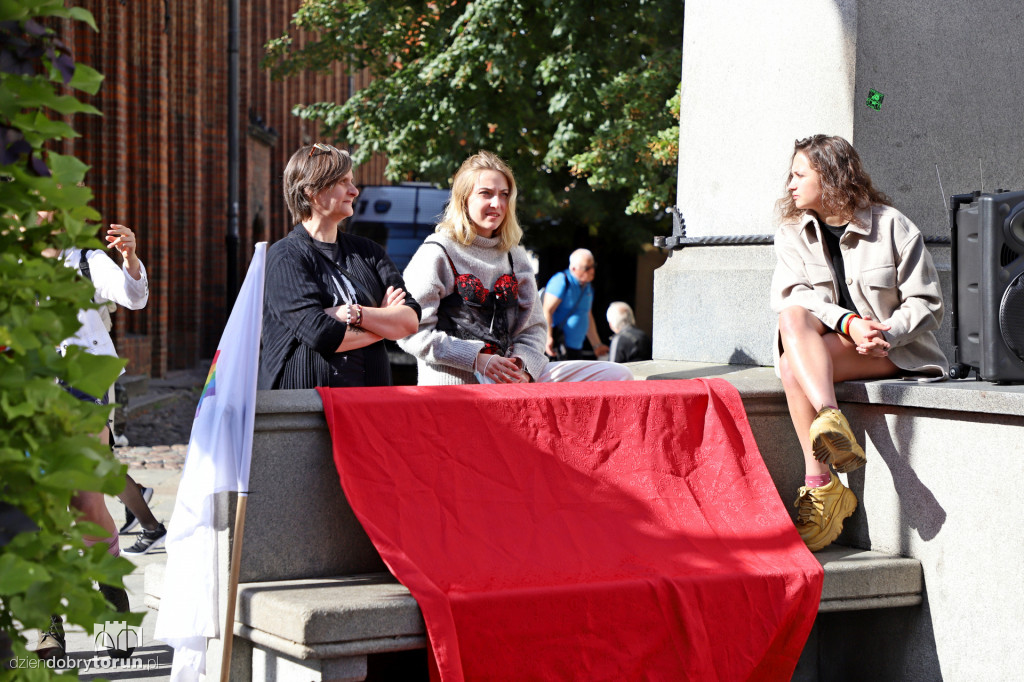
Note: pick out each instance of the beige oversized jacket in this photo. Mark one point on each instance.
(889, 273)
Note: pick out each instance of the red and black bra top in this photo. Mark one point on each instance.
(472, 312)
(505, 291)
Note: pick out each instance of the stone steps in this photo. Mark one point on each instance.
(136, 385)
(937, 489)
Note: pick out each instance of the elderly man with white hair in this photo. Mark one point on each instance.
(568, 298)
(629, 343)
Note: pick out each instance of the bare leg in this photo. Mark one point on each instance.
(94, 509)
(93, 506)
(813, 360)
(132, 498)
(802, 413)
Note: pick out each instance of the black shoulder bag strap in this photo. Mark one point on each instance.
(83, 264)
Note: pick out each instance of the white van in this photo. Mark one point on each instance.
(398, 217)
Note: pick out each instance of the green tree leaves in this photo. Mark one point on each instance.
(46, 452)
(576, 95)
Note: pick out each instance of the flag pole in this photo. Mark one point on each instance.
(228, 633)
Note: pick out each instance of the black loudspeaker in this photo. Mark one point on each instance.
(988, 280)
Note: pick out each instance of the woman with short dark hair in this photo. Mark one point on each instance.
(330, 298)
(857, 297)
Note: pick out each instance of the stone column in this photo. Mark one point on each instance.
(758, 75)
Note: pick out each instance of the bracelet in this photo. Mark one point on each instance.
(348, 315)
(845, 321)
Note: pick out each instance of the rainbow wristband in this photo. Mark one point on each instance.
(844, 323)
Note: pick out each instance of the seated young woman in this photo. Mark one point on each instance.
(857, 297)
(482, 320)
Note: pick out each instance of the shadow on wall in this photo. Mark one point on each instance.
(919, 509)
(738, 361)
(741, 357)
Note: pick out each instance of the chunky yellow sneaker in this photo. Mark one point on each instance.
(834, 443)
(821, 512)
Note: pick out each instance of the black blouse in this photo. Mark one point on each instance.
(299, 340)
(832, 236)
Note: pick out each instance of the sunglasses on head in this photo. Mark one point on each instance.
(320, 148)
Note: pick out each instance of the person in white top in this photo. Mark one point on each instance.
(126, 285)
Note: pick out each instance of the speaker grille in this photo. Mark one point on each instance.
(1011, 316)
(1007, 256)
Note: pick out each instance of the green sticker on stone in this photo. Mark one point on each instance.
(875, 99)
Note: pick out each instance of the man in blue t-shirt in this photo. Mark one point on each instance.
(568, 298)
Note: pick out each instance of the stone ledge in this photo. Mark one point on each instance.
(964, 395)
(369, 614)
(330, 610)
(135, 385)
(289, 402)
(857, 579)
(329, 650)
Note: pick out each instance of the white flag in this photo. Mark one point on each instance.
(219, 453)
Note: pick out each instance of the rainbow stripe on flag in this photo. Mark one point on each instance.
(210, 388)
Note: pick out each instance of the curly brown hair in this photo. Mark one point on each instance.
(845, 185)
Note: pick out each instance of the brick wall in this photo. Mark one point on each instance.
(158, 156)
(138, 351)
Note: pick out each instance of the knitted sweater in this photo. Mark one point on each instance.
(444, 359)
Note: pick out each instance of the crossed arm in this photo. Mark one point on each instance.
(392, 320)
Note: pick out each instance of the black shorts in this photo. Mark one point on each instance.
(82, 395)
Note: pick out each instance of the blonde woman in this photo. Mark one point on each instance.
(482, 320)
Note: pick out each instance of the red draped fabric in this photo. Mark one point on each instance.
(584, 531)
